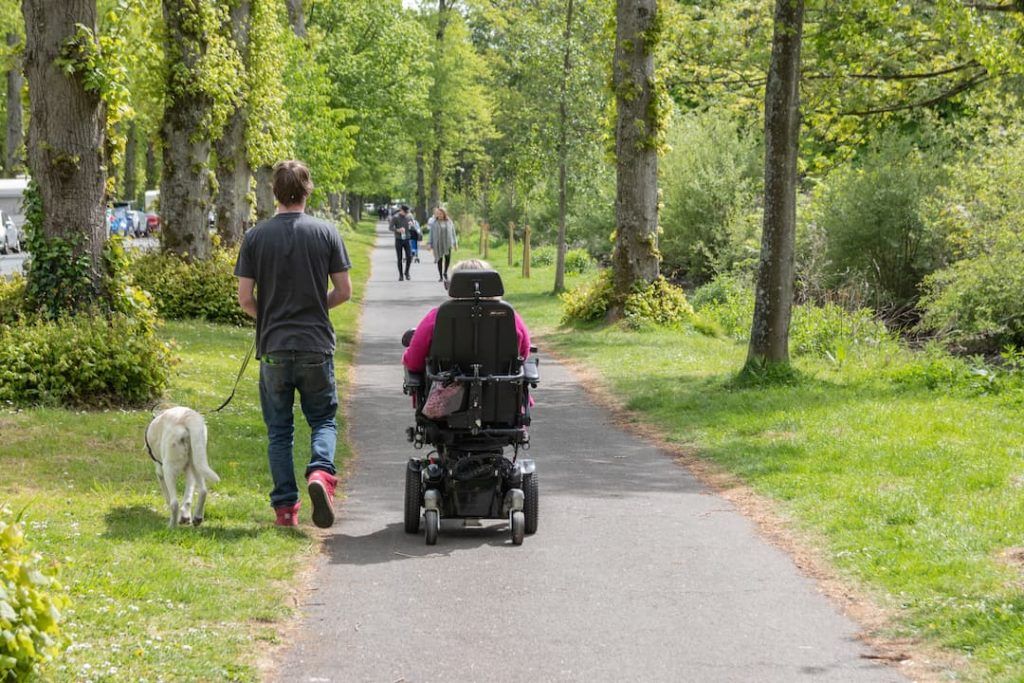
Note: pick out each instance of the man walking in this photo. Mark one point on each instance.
(283, 268)
(400, 225)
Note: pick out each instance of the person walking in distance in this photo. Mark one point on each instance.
(399, 226)
(283, 269)
(443, 241)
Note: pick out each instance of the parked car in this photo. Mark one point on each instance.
(152, 223)
(11, 237)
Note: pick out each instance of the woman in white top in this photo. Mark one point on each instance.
(443, 241)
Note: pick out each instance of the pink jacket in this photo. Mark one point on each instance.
(415, 357)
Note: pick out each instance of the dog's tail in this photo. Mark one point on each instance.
(197, 435)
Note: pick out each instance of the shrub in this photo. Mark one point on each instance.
(544, 256)
(710, 179)
(827, 330)
(976, 301)
(659, 303)
(872, 218)
(12, 299)
(200, 289)
(82, 360)
(31, 600)
(578, 261)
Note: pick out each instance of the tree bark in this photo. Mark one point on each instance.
(130, 152)
(296, 17)
(151, 173)
(14, 159)
(421, 190)
(266, 205)
(355, 207)
(636, 128)
(773, 303)
(65, 134)
(233, 170)
(185, 188)
(334, 204)
(563, 147)
(437, 103)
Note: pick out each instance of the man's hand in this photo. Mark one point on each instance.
(246, 298)
(342, 291)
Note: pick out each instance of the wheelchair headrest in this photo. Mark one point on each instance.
(469, 284)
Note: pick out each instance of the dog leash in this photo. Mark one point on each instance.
(238, 378)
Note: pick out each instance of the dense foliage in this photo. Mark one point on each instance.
(31, 604)
(191, 289)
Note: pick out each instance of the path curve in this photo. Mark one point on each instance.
(637, 572)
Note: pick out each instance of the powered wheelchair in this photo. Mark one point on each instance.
(469, 472)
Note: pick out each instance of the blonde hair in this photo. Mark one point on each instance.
(471, 264)
(444, 213)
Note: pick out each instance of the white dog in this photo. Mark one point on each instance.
(176, 440)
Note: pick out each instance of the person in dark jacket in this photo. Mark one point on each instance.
(399, 226)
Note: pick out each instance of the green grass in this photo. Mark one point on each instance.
(150, 603)
(915, 492)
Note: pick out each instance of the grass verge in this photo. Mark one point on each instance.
(150, 603)
(913, 486)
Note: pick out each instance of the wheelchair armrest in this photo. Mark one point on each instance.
(414, 382)
(531, 369)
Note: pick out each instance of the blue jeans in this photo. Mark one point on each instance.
(312, 374)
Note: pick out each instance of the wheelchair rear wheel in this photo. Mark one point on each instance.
(531, 503)
(432, 522)
(413, 493)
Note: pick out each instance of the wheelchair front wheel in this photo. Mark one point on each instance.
(413, 493)
(517, 525)
(432, 522)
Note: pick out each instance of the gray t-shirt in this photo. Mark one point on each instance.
(291, 257)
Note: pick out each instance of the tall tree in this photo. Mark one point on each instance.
(203, 80)
(773, 303)
(233, 173)
(437, 97)
(636, 147)
(13, 159)
(563, 147)
(66, 131)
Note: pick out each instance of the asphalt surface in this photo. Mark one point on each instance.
(636, 573)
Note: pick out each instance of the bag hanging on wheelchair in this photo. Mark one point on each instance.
(444, 399)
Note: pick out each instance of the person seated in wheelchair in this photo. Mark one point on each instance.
(469, 369)
(415, 357)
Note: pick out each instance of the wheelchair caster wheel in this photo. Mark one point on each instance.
(431, 521)
(517, 524)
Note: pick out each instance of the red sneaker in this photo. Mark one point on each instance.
(321, 493)
(287, 515)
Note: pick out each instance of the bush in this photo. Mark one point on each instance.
(85, 360)
(827, 330)
(872, 218)
(201, 289)
(659, 303)
(31, 600)
(12, 299)
(578, 261)
(710, 180)
(544, 256)
(976, 301)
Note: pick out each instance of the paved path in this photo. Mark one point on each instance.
(637, 573)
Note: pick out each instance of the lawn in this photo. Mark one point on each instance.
(150, 603)
(915, 489)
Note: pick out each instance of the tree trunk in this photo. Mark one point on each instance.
(185, 188)
(296, 17)
(636, 128)
(65, 139)
(421, 190)
(151, 173)
(355, 207)
(334, 204)
(130, 152)
(265, 202)
(437, 103)
(14, 157)
(563, 147)
(773, 303)
(233, 170)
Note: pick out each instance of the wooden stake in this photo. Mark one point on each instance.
(526, 251)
